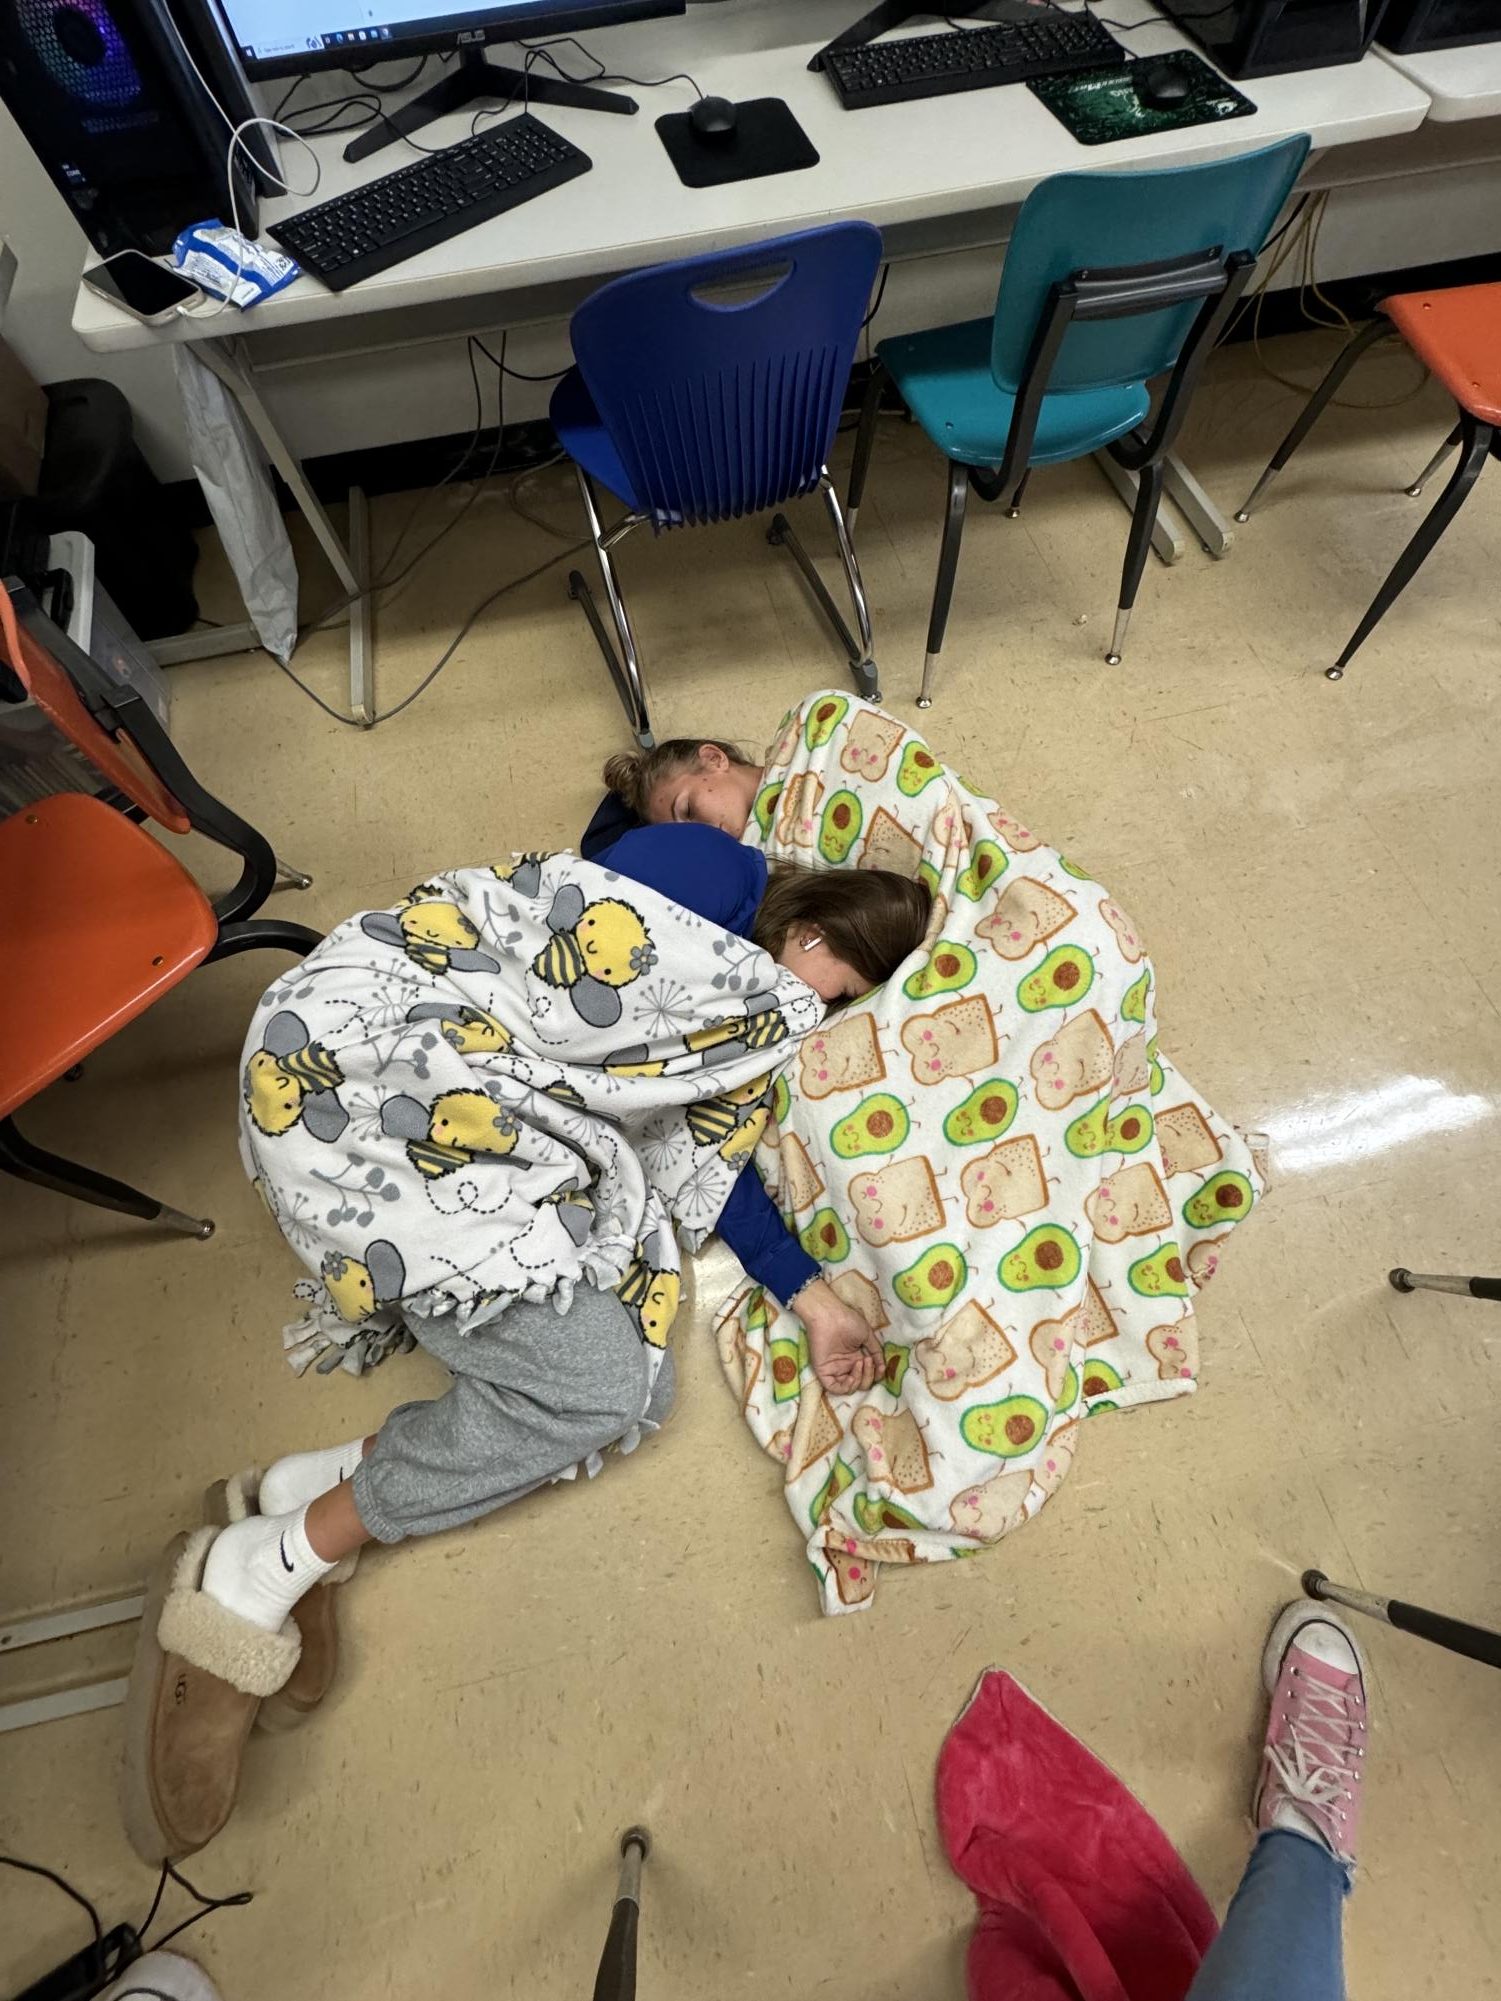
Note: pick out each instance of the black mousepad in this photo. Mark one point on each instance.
(1101, 105)
(767, 139)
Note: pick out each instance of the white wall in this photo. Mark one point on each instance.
(387, 398)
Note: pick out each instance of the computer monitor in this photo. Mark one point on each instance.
(278, 38)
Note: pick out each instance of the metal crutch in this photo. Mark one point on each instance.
(1476, 1643)
(616, 1978)
(1403, 1280)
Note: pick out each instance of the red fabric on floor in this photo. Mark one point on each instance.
(1082, 1896)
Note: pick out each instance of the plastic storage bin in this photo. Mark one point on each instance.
(35, 758)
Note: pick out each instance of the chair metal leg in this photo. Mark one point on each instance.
(865, 438)
(867, 674)
(1450, 443)
(943, 583)
(1138, 542)
(1016, 499)
(1478, 440)
(260, 934)
(782, 534)
(625, 665)
(66, 1177)
(288, 877)
(1379, 329)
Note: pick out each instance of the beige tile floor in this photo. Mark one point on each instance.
(1316, 869)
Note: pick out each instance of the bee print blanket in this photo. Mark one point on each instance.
(521, 1079)
(993, 1160)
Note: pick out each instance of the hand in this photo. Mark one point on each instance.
(847, 1354)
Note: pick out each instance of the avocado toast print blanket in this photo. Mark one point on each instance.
(992, 1159)
(520, 1079)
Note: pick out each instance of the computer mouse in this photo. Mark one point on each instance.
(1159, 88)
(714, 119)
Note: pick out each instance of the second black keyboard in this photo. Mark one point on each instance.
(911, 66)
(373, 227)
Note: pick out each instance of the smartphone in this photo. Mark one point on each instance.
(151, 291)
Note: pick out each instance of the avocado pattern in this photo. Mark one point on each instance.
(1041, 1077)
(949, 968)
(878, 1124)
(839, 827)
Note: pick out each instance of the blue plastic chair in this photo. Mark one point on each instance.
(710, 389)
(1111, 280)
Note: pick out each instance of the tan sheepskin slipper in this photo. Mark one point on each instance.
(197, 1681)
(315, 1612)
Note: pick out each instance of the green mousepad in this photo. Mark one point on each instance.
(1102, 105)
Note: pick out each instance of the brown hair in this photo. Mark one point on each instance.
(871, 918)
(636, 774)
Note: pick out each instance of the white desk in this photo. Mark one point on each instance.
(1460, 83)
(942, 172)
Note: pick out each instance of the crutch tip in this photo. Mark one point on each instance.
(1400, 1279)
(636, 1837)
(1314, 1582)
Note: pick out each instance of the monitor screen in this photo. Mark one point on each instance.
(280, 37)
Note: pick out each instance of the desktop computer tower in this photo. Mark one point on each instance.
(1410, 25)
(106, 95)
(1247, 38)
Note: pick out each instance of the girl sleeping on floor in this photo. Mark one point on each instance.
(530, 1398)
(841, 931)
(703, 780)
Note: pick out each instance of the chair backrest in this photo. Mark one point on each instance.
(127, 744)
(1097, 221)
(724, 402)
(35, 650)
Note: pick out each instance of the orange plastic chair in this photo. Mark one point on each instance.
(97, 919)
(1457, 335)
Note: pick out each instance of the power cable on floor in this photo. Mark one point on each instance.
(385, 716)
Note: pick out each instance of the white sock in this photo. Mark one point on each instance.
(261, 1567)
(302, 1476)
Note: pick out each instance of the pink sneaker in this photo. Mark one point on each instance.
(1313, 1767)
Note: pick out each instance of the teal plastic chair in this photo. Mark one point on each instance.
(1111, 281)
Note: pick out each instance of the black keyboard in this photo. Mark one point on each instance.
(911, 66)
(373, 227)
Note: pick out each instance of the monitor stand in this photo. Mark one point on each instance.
(892, 13)
(477, 79)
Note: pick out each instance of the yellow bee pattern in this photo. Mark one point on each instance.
(460, 1128)
(596, 948)
(292, 1080)
(652, 1296)
(435, 935)
(359, 1287)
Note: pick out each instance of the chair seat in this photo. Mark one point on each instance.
(1456, 333)
(945, 380)
(97, 922)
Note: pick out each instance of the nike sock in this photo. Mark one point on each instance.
(261, 1567)
(302, 1476)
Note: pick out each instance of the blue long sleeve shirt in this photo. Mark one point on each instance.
(719, 878)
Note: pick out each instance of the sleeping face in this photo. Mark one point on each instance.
(712, 791)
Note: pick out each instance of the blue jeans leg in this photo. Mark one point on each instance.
(1281, 1939)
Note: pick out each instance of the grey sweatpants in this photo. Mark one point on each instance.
(532, 1394)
